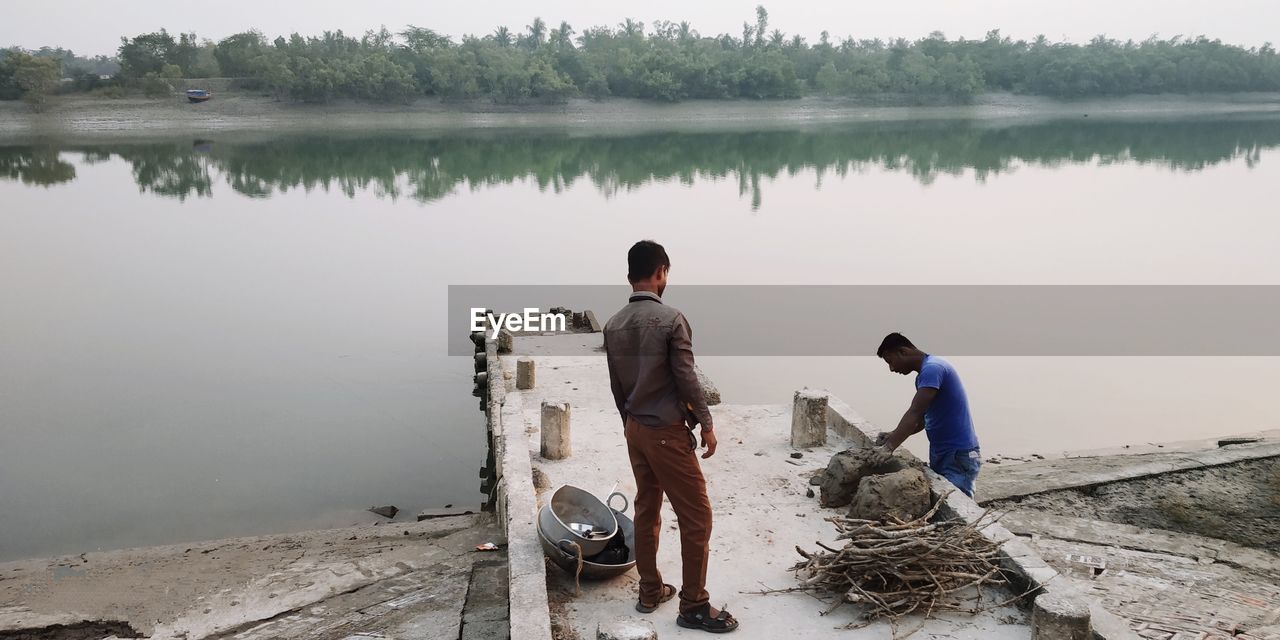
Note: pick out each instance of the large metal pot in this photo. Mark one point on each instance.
(577, 516)
(567, 558)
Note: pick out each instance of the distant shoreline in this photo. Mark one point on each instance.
(83, 116)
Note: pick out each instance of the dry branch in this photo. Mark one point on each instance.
(896, 568)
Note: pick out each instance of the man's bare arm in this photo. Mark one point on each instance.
(913, 420)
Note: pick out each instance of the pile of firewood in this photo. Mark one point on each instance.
(896, 568)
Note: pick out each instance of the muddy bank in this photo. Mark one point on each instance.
(86, 116)
(1237, 502)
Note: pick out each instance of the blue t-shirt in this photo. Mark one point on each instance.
(947, 422)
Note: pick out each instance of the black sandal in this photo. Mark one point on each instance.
(668, 592)
(724, 622)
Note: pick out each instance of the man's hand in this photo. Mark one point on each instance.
(881, 455)
(709, 443)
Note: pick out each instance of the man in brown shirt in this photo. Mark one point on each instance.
(650, 352)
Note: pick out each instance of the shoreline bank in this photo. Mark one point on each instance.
(86, 117)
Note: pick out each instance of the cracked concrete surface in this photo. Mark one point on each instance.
(398, 579)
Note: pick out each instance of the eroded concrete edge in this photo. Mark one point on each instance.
(1066, 478)
(517, 506)
(1017, 557)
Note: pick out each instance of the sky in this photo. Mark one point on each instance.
(92, 27)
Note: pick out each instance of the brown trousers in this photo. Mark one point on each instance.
(664, 461)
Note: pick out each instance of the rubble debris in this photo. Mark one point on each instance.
(388, 511)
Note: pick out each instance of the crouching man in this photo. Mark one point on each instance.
(940, 408)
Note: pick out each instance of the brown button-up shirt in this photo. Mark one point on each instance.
(650, 351)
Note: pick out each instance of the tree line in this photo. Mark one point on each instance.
(671, 61)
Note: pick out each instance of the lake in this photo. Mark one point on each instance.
(241, 332)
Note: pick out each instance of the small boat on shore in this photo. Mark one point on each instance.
(198, 95)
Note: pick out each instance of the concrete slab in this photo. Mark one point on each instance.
(1006, 481)
(314, 584)
(758, 496)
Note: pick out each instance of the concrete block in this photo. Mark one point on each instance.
(556, 441)
(626, 629)
(591, 324)
(809, 419)
(506, 341)
(524, 373)
(1060, 616)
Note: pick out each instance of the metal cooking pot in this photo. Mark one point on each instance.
(567, 558)
(575, 515)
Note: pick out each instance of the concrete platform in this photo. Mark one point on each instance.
(757, 493)
(1006, 481)
(1166, 585)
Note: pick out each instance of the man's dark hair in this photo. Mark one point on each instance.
(644, 258)
(893, 342)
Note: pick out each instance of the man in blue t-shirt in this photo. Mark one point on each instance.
(939, 408)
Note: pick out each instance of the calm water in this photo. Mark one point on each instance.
(245, 333)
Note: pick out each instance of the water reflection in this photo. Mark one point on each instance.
(426, 169)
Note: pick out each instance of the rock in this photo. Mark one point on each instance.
(447, 512)
(808, 493)
(797, 455)
(840, 481)
(386, 512)
(709, 391)
(1226, 442)
(592, 325)
(505, 341)
(626, 629)
(903, 494)
(540, 479)
(817, 478)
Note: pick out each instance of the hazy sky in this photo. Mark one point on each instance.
(95, 26)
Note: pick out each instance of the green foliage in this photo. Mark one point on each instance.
(671, 61)
(155, 85)
(32, 78)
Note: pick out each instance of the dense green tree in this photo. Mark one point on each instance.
(671, 61)
(146, 53)
(36, 77)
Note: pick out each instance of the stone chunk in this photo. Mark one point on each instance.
(388, 511)
(590, 322)
(524, 373)
(809, 419)
(903, 494)
(506, 341)
(1059, 616)
(626, 629)
(846, 470)
(709, 391)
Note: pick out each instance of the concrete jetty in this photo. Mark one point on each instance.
(759, 494)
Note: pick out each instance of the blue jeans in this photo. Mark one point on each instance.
(960, 467)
